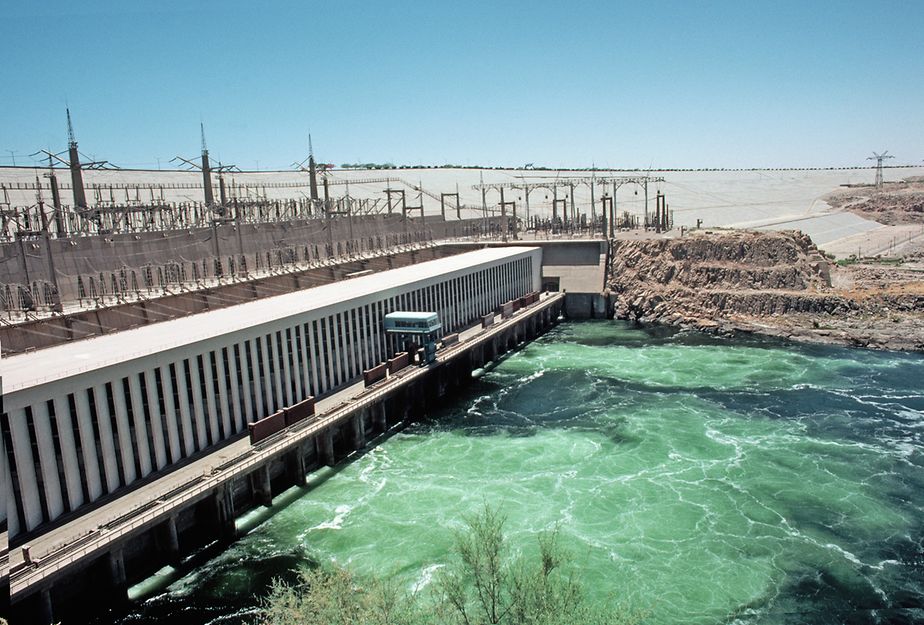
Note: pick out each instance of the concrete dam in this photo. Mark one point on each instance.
(124, 452)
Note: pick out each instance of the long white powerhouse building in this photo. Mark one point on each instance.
(88, 418)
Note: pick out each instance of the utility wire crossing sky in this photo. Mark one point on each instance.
(613, 84)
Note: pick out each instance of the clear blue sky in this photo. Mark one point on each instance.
(619, 84)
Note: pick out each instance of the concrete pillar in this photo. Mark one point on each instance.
(224, 510)
(432, 388)
(463, 370)
(261, 486)
(186, 415)
(355, 346)
(123, 431)
(171, 540)
(316, 379)
(45, 608)
(359, 431)
(107, 443)
(325, 442)
(199, 408)
(173, 432)
(441, 381)
(10, 512)
(381, 417)
(237, 401)
(223, 392)
(157, 433)
(296, 373)
(69, 459)
(267, 376)
(336, 372)
(117, 574)
(362, 327)
(25, 468)
(305, 372)
(406, 398)
(295, 466)
(284, 377)
(256, 382)
(41, 420)
(245, 402)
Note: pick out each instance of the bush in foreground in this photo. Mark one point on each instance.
(484, 585)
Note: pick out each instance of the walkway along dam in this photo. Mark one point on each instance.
(126, 452)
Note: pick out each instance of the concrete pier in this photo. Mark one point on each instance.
(380, 418)
(296, 468)
(117, 575)
(326, 448)
(262, 488)
(359, 431)
(224, 509)
(170, 540)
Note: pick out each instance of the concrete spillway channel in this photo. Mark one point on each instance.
(165, 529)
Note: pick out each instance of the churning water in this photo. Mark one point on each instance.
(703, 480)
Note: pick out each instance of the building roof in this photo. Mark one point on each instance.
(405, 315)
(22, 371)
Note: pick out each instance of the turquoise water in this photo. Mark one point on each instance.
(703, 480)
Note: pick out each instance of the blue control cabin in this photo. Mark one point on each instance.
(420, 329)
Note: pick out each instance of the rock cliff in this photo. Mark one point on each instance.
(768, 282)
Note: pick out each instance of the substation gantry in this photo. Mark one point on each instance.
(569, 214)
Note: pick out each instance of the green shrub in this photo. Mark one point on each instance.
(483, 585)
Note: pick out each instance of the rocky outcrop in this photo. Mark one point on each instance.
(745, 272)
(770, 282)
(899, 202)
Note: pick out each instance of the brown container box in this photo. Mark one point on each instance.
(376, 373)
(267, 426)
(299, 411)
(398, 362)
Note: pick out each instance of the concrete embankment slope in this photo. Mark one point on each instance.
(766, 282)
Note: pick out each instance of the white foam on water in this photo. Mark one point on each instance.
(532, 376)
(340, 514)
(850, 556)
(234, 617)
(425, 578)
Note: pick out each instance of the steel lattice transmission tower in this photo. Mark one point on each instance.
(879, 158)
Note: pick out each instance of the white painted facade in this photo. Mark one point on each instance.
(87, 418)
